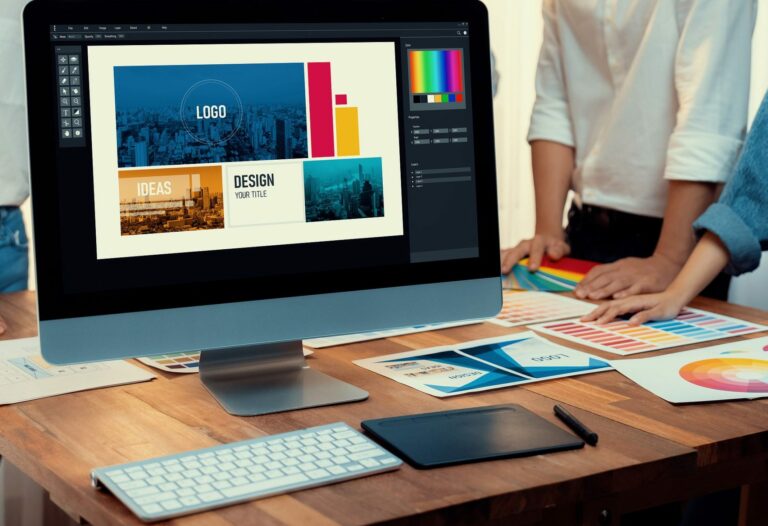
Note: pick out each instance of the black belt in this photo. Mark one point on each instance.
(600, 217)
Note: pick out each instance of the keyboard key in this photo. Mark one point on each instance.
(367, 454)
(361, 447)
(133, 484)
(152, 508)
(210, 496)
(142, 492)
(370, 463)
(171, 505)
(264, 485)
(189, 501)
(157, 497)
(318, 474)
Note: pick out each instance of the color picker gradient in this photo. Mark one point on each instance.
(436, 76)
(740, 375)
(436, 71)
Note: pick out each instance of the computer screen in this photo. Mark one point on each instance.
(194, 156)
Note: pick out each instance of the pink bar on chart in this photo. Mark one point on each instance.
(320, 109)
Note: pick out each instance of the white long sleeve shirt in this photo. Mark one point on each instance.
(646, 91)
(14, 176)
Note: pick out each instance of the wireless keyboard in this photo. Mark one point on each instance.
(175, 485)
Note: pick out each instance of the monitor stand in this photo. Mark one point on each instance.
(261, 379)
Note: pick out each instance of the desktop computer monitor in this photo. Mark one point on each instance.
(234, 176)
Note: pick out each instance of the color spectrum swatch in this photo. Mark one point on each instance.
(741, 375)
(523, 308)
(436, 77)
(436, 71)
(553, 276)
(691, 326)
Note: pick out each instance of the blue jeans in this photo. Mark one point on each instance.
(14, 250)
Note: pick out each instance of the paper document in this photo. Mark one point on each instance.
(732, 371)
(480, 365)
(24, 375)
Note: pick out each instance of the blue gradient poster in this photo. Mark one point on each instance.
(486, 364)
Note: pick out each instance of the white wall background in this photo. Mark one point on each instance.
(516, 38)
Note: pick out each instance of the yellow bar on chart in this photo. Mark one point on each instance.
(347, 132)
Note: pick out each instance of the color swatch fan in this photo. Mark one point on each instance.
(724, 372)
(553, 276)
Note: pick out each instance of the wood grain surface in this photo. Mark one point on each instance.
(650, 452)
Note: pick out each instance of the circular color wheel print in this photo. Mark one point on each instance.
(740, 375)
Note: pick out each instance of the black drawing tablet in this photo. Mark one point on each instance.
(469, 435)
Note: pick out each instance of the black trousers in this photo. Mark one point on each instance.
(603, 235)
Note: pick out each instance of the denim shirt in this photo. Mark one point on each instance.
(740, 217)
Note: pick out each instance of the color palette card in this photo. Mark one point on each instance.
(526, 307)
(180, 362)
(725, 372)
(691, 326)
(553, 276)
(344, 339)
(485, 364)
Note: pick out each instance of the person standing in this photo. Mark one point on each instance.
(14, 176)
(641, 110)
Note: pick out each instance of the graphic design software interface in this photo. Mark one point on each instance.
(199, 138)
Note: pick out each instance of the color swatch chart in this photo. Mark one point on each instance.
(437, 77)
(691, 326)
(523, 308)
(553, 276)
(181, 362)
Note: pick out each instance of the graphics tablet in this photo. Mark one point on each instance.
(470, 435)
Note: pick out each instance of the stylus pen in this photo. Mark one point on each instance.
(589, 436)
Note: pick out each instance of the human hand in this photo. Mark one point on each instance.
(661, 306)
(628, 277)
(553, 246)
(3, 326)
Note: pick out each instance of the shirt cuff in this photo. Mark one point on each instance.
(703, 157)
(549, 124)
(741, 243)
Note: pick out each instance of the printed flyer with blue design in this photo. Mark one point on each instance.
(481, 365)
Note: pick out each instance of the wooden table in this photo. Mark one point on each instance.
(650, 452)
